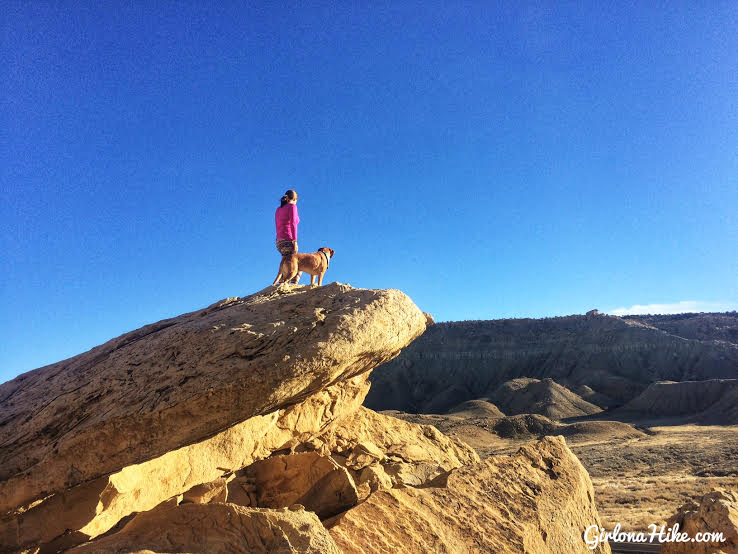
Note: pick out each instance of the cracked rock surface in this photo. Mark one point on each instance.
(182, 402)
(240, 428)
(210, 528)
(535, 501)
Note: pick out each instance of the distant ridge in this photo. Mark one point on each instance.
(608, 360)
(714, 400)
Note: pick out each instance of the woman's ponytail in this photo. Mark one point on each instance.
(289, 195)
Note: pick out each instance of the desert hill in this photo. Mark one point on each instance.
(708, 401)
(476, 408)
(240, 427)
(545, 397)
(608, 360)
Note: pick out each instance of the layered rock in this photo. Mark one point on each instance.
(93, 508)
(700, 326)
(354, 456)
(187, 401)
(614, 358)
(539, 500)
(239, 427)
(715, 512)
(713, 400)
(316, 482)
(218, 528)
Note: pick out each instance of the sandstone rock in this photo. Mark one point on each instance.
(410, 454)
(364, 454)
(242, 491)
(261, 372)
(180, 380)
(352, 457)
(539, 500)
(217, 528)
(214, 491)
(316, 482)
(93, 508)
(717, 511)
(375, 477)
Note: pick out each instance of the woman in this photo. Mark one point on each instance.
(286, 220)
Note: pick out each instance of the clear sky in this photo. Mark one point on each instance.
(490, 159)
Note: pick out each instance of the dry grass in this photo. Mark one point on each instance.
(636, 502)
(642, 481)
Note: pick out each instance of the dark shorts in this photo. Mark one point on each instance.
(287, 247)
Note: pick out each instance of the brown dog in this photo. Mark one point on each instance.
(316, 264)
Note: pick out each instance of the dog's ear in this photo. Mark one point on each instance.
(332, 251)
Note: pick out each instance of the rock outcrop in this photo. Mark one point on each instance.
(158, 411)
(394, 451)
(615, 358)
(240, 427)
(218, 528)
(716, 512)
(539, 500)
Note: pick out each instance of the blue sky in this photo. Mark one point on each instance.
(491, 160)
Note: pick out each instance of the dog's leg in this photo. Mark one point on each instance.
(279, 276)
(297, 278)
(320, 279)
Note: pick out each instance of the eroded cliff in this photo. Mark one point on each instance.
(608, 359)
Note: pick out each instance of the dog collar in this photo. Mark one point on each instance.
(327, 259)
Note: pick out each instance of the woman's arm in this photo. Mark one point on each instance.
(294, 220)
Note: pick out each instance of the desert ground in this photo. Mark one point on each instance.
(641, 471)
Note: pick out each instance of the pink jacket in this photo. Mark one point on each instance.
(287, 219)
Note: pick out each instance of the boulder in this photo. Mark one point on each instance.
(210, 528)
(410, 454)
(214, 491)
(180, 380)
(539, 500)
(93, 508)
(715, 512)
(186, 401)
(353, 456)
(316, 482)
